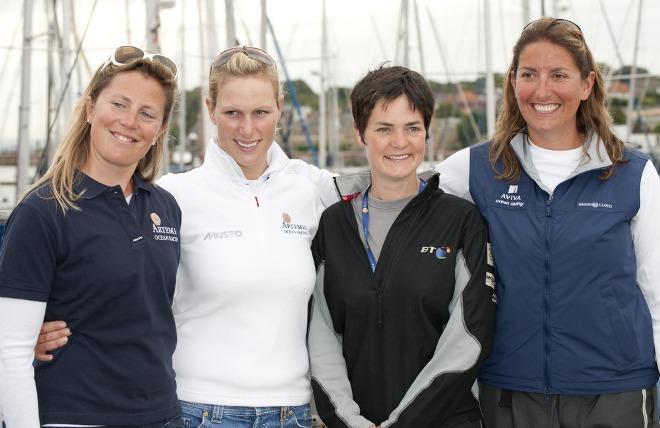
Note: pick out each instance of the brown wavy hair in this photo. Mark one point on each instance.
(73, 151)
(592, 114)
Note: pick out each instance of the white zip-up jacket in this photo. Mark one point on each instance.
(245, 279)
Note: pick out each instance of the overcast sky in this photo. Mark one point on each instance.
(361, 33)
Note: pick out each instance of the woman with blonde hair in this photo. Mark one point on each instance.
(572, 218)
(246, 272)
(95, 242)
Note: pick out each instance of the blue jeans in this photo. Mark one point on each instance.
(209, 416)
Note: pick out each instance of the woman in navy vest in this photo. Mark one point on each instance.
(572, 218)
(95, 242)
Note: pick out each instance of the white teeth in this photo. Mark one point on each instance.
(545, 108)
(246, 144)
(123, 138)
(397, 157)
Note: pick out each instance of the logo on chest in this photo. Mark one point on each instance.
(163, 233)
(441, 252)
(227, 234)
(291, 228)
(595, 205)
(511, 198)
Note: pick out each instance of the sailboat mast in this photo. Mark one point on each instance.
(23, 155)
(323, 124)
(406, 34)
(264, 26)
(490, 79)
(231, 24)
(633, 73)
(212, 49)
(419, 40)
(182, 97)
(526, 17)
(153, 45)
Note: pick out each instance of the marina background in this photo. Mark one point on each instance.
(325, 46)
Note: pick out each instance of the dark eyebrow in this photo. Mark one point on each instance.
(523, 67)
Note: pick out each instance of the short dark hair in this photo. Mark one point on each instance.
(389, 83)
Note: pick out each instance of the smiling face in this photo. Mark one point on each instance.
(548, 89)
(245, 113)
(395, 141)
(125, 120)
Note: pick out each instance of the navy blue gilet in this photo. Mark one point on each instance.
(571, 318)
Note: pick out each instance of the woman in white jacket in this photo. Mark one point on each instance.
(246, 274)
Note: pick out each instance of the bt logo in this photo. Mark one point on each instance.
(440, 252)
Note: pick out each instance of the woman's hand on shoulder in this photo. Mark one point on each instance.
(53, 335)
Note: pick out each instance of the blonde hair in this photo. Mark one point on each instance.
(73, 151)
(592, 115)
(241, 65)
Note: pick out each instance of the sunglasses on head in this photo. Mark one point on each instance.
(559, 21)
(249, 51)
(124, 55)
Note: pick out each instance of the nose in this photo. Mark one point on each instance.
(129, 119)
(544, 90)
(246, 126)
(399, 138)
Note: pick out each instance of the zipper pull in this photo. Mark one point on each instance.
(548, 211)
(257, 200)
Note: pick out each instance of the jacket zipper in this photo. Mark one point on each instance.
(546, 300)
(380, 290)
(546, 321)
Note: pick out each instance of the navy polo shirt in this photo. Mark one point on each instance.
(109, 271)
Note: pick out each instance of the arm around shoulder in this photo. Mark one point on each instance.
(455, 174)
(322, 179)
